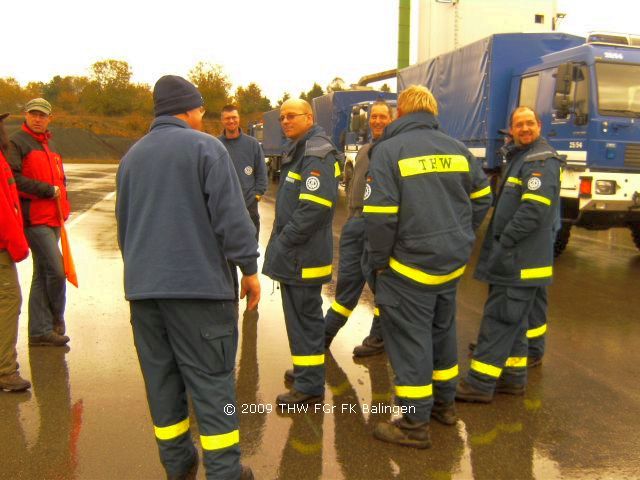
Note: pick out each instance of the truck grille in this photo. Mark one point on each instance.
(632, 155)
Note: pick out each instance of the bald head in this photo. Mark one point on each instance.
(296, 118)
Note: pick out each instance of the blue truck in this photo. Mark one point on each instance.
(587, 93)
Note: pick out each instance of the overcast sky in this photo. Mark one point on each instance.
(283, 45)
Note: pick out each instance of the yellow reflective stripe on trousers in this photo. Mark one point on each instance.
(218, 442)
(294, 175)
(533, 273)
(376, 312)
(336, 169)
(445, 375)
(480, 193)
(380, 209)
(433, 164)
(315, 199)
(344, 311)
(537, 332)
(515, 180)
(516, 362)
(308, 360)
(171, 431)
(536, 198)
(422, 277)
(316, 272)
(485, 368)
(421, 391)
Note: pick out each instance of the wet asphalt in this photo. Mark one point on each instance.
(86, 416)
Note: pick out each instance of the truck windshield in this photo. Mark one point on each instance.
(618, 89)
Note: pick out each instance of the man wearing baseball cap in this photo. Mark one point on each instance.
(37, 168)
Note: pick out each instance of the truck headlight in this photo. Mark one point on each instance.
(605, 187)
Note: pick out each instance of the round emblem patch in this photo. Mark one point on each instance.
(312, 183)
(534, 183)
(248, 170)
(367, 191)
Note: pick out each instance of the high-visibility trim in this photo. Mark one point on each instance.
(308, 360)
(336, 168)
(316, 199)
(516, 362)
(376, 312)
(536, 198)
(172, 431)
(533, 273)
(433, 164)
(515, 180)
(380, 209)
(218, 442)
(316, 272)
(537, 332)
(340, 389)
(294, 175)
(481, 193)
(421, 391)
(305, 448)
(445, 375)
(422, 277)
(485, 368)
(344, 311)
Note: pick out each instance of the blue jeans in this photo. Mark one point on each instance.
(48, 284)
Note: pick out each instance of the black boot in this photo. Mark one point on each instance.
(404, 432)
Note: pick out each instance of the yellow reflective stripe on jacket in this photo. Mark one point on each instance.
(376, 312)
(379, 209)
(433, 164)
(316, 199)
(537, 332)
(294, 175)
(516, 362)
(422, 277)
(533, 273)
(515, 180)
(172, 431)
(336, 168)
(421, 391)
(308, 360)
(536, 198)
(344, 311)
(485, 368)
(481, 193)
(316, 272)
(218, 442)
(444, 375)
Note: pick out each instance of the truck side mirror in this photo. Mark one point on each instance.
(564, 77)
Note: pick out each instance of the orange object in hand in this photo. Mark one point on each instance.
(67, 258)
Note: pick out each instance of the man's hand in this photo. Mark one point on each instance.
(56, 191)
(258, 198)
(250, 287)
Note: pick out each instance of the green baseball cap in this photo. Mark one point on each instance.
(39, 104)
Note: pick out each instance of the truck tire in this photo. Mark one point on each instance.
(635, 233)
(562, 239)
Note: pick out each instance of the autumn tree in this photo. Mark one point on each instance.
(285, 96)
(11, 95)
(64, 92)
(316, 91)
(250, 99)
(336, 85)
(385, 88)
(213, 84)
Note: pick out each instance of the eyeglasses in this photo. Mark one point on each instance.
(290, 116)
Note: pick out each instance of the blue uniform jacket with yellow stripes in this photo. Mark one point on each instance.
(425, 196)
(300, 250)
(518, 247)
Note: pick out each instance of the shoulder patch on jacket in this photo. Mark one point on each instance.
(318, 147)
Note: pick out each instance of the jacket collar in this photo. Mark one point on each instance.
(40, 137)
(164, 120)
(410, 121)
(292, 147)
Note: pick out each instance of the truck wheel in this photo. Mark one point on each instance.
(562, 239)
(635, 233)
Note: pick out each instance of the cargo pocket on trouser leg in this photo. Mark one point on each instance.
(219, 342)
(517, 305)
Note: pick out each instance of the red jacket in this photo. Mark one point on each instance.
(12, 237)
(37, 168)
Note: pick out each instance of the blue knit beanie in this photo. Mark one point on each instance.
(173, 94)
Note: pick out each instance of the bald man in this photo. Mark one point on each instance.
(300, 250)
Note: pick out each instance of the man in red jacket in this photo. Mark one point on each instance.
(13, 248)
(37, 168)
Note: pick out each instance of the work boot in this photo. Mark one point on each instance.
(533, 362)
(294, 397)
(466, 393)
(403, 432)
(445, 413)
(189, 474)
(13, 382)
(51, 339)
(509, 388)
(246, 473)
(59, 326)
(370, 346)
(289, 376)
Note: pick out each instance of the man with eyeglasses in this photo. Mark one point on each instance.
(181, 219)
(300, 251)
